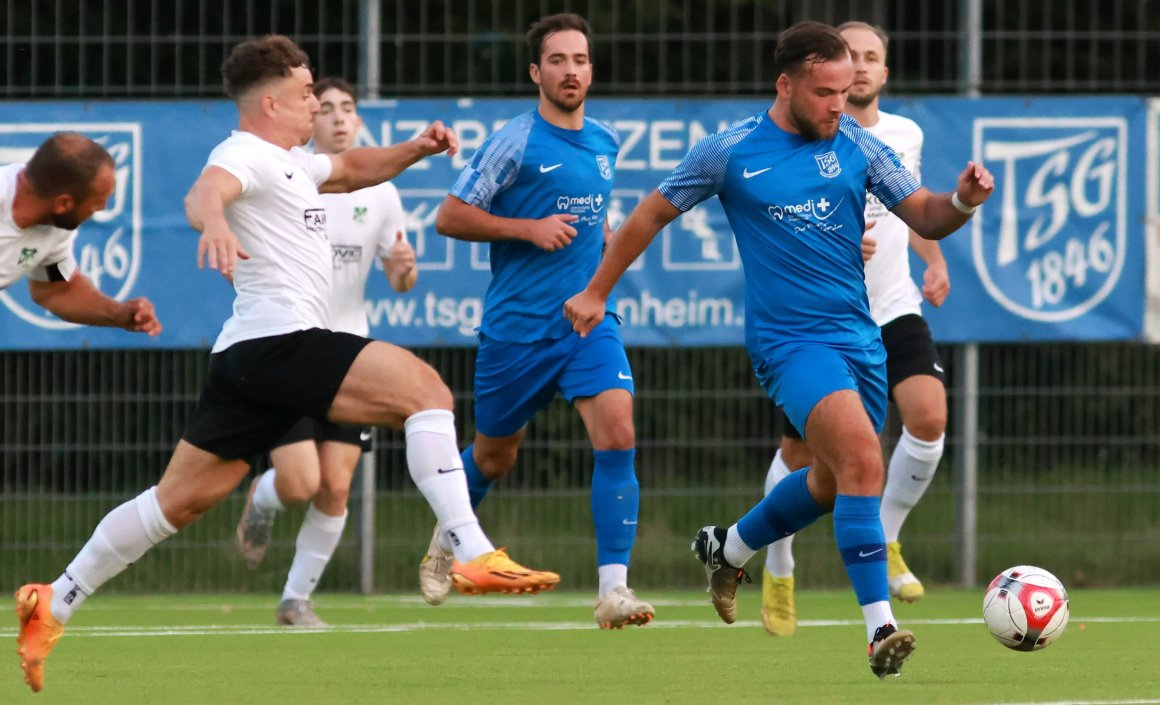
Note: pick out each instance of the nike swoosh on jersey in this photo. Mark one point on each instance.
(288, 174)
(750, 174)
(621, 375)
(546, 169)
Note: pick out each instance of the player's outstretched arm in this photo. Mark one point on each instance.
(586, 309)
(205, 209)
(78, 301)
(461, 220)
(368, 166)
(935, 215)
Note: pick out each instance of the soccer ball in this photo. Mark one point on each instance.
(1026, 608)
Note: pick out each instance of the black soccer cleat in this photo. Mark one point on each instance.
(709, 547)
(889, 650)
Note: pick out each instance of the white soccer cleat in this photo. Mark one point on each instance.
(435, 572)
(621, 607)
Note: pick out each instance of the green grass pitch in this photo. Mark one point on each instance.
(224, 649)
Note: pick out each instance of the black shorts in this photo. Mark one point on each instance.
(910, 351)
(258, 389)
(308, 429)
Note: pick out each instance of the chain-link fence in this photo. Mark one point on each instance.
(1067, 448)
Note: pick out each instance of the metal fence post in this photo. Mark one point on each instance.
(967, 458)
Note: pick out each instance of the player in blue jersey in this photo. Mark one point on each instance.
(536, 191)
(793, 182)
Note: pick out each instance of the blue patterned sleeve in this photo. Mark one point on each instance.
(888, 179)
(701, 174)
(494, 166)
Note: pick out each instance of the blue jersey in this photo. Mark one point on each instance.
(533, 169)
(796, 209)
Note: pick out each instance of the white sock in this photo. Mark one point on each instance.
(912, 468)
(612, 575)
(266, 501)
(779, 554)
(876, 614)
(737, 552)
(433, 459)
(122, 537)
(317, 540)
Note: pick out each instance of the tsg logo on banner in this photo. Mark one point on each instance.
(1049, 244)
(108, 245)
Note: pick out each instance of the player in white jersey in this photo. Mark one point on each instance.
(262, 220)
(42, 203)
(913, 370)
(316, 460)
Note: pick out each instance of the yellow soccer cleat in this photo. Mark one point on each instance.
(39, 631)
(777, 609)
(903, 584)
(495, 572)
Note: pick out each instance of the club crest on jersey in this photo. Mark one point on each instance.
(360, 214)
(828, 165)
(605, 166)
(26, 255)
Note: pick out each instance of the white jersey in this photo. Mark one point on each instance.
(280, 220)
(361, 226)
(40, 252)
(892, 292)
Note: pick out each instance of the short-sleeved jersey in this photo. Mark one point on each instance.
(796, 209)
(892, 292)
(361, 226)
(533, 169)
(40, 252)
(280, 220)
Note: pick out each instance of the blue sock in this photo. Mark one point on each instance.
(615, 505)
(477, 484)
(787, 509)
(858, 532)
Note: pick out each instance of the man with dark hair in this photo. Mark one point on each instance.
(316, 460)
(793, 181)
(42, 203)
(536, 191)
(262, 221)
(914, 373)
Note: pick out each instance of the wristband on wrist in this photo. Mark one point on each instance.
(960, 206)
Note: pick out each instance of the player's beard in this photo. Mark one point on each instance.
(67, 221)
(810, 130)
(862, 101)
(566, 105)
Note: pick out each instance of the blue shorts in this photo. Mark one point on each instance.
(515, 380)
(796, 376)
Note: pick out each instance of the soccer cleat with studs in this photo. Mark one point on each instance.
(889, 650)
(39, 631)
(495, 572)
(709, 548)
(621, 607)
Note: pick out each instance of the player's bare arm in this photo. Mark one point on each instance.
(869, 243)
(934, 216)
(78, 301)
(369, 166)
(936, 281)
(205, 209)
(399, 264)
(463, 221)
(586, 310)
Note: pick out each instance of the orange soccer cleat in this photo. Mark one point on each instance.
(39, 631)
(495, 572)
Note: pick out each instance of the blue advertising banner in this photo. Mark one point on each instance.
(1056, 254)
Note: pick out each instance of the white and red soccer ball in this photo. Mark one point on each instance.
(1026, 608)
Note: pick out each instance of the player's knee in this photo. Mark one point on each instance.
(930, 425)
(620, 435)
(332, 496)
(795, 453)
(494, 463)
(298, 488)
(430, 392)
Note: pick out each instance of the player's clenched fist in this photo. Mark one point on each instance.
(552, 233)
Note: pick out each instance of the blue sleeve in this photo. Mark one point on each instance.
(888, 179)
(494, 166)
(700, 174)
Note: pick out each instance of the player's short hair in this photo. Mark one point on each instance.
(256, 61)
(66, 163)
(322, 85)
(550, 25)
(857, 24)
(807, 42)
